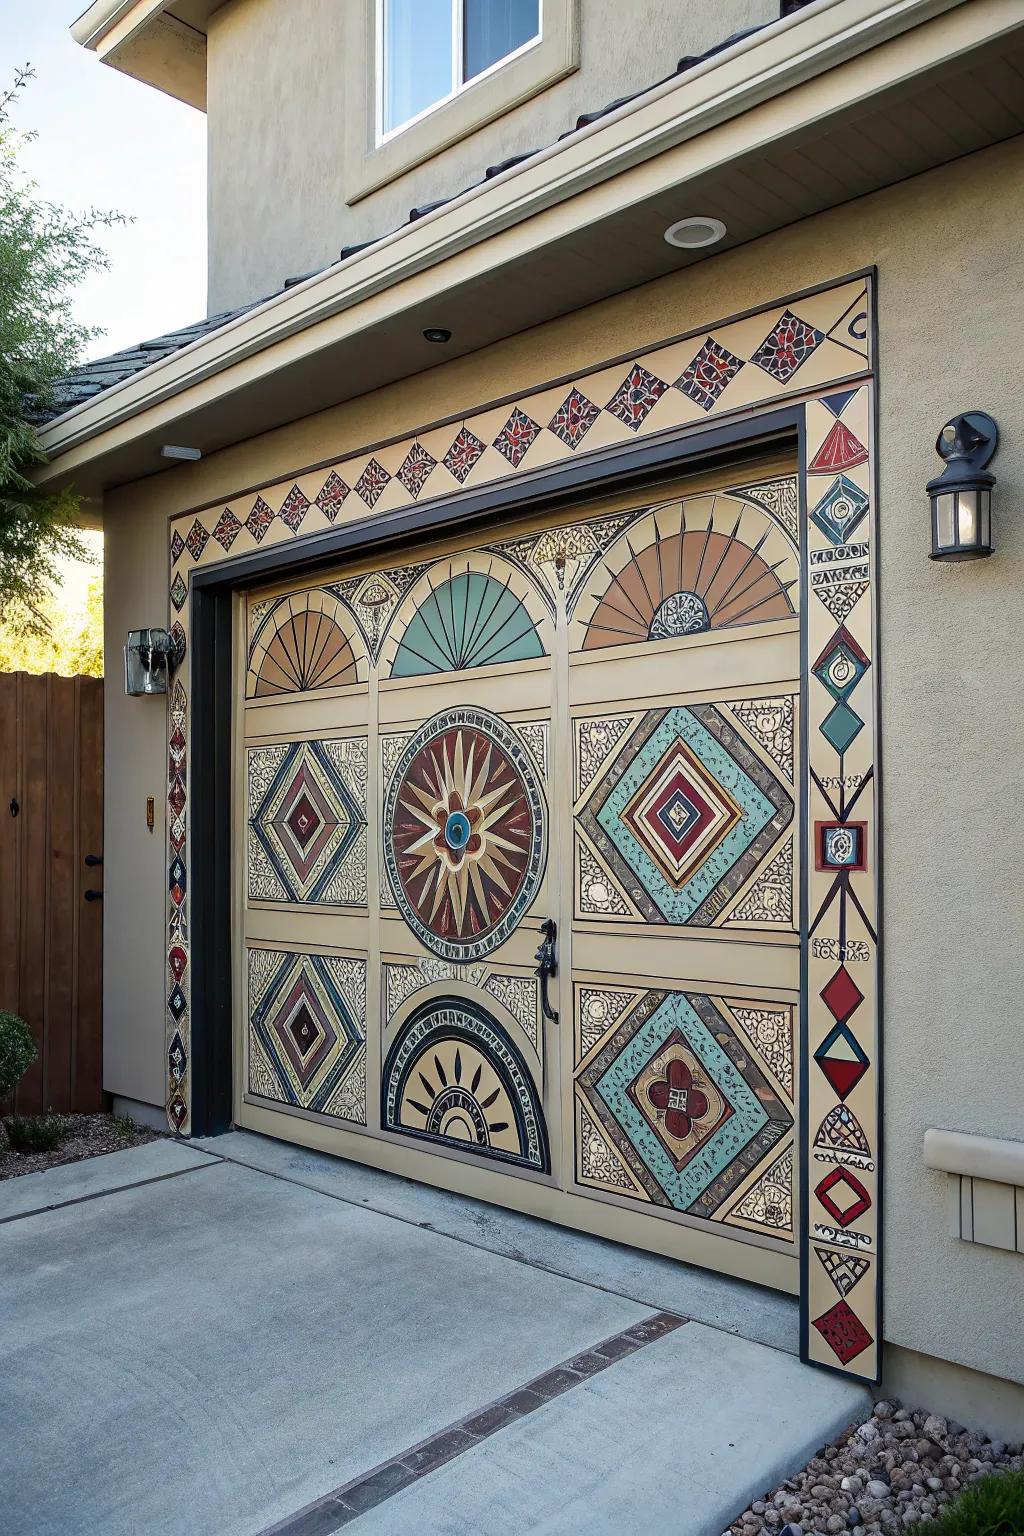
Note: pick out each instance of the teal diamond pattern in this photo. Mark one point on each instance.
(840, 510)
(685, 1186)
(678, 905)
(841, 726)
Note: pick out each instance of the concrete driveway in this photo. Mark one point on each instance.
(237, 1336)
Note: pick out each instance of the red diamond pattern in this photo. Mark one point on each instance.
(843, 1332)
(708, 374)
(294, 508)
(177, 547)
(332, 496)
(574, 418)
(197, 539)
(516, 436)
(636, 397)
(841, 995)
(259, 519)
(372, 483)
(463, 454)
(227, 530)
(416, 469)
(788, 344)
(843, 1216)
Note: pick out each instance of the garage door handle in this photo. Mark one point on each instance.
(547, 966)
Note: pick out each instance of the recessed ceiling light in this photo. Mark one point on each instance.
(690, 234)
(438, 334)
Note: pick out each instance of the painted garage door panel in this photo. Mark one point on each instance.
(524, 768)
(685, 1101)
(685, 864)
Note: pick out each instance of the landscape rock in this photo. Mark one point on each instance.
(898, 1469)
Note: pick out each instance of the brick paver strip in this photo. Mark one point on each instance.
(336, 1509)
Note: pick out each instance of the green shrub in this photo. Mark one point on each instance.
(38, 1133)
(17, 1051)
(993, 1506)
(124, 1125)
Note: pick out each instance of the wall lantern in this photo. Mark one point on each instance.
(150, 656)
(961, 497)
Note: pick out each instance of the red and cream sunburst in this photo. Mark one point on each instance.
(465, 823)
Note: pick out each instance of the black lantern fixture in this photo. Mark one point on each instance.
(150, 656)
(961, 497)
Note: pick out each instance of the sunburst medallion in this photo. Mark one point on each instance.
(464, 833)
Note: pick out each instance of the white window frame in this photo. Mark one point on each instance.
(371, 160)
(384, 135)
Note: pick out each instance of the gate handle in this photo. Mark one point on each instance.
(547, 966)
(94, 895)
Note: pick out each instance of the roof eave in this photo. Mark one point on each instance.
(142, 39)
(352, 296)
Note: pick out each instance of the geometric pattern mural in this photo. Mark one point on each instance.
(471, 620)
(680, 817)
(307, 822)
(454, 1076)
(841, 1193)
(703, 563)
(298, 643)
(680, 1108)
(465, 833)
(307, 1040)
(813, 349)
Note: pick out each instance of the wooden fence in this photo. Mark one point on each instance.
(51, 919)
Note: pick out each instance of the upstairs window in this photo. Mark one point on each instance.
(430, 50)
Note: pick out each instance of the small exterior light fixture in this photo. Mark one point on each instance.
(694, 233)
(961, 497)
(176, 451)
(437, 334)
(150, 656)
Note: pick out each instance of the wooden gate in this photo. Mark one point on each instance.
(51, 911)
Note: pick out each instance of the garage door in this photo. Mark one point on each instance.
(582, 737)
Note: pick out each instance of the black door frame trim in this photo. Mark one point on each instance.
(629, 468)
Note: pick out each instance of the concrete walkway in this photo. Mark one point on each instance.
(237, 1336)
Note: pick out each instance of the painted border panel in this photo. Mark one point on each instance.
(815, 348)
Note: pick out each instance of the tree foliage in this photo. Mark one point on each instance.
(45, 253)
(66, 640)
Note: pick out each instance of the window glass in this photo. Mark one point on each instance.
(492, 29)
(417, 57)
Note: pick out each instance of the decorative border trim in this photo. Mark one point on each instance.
(813, 353)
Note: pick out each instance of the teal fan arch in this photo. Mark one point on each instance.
(471, 620)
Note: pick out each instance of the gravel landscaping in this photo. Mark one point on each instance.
(87, 1136)
(896, 1469)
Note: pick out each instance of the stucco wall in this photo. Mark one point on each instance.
(281, 74)
(135, 766)
(950, 318)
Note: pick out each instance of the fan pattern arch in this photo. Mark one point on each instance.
(475, 610)
(298, 643)
(703, 563)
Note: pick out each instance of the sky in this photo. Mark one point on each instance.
(107, 141)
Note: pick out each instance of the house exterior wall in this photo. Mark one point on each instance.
(288, 73)
(134, 863)
(951, 720)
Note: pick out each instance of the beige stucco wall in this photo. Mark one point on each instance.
(282, 74)
(951, 319)
(135, 766)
